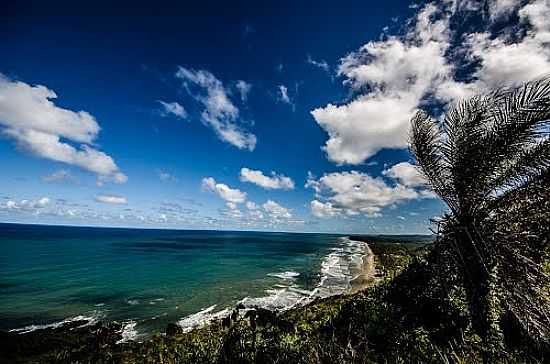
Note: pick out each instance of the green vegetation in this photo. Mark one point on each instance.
(410, 316)
(489, 160)
(479, 294)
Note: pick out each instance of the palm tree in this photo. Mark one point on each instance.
(489, 161)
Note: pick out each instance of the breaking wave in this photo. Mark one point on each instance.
(338, 269)
(89, 320)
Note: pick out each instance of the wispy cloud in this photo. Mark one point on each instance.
(111, 199)
(166, 177)
(322, 64)
(173, 108)
(219, 112)
(244, 89)
(284, 96)
(60, 176)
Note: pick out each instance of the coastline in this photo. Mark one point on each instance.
(348, 268)
(204, 332)
(367, 278)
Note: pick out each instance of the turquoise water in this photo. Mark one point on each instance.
(148, 278)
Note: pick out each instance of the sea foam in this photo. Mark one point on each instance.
(338, 269)
(90, 320)
(128, 332)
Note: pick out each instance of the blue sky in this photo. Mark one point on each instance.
(251, 116)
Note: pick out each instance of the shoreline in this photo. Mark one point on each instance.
(367, 278)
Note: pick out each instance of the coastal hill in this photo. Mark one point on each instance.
(392, 321)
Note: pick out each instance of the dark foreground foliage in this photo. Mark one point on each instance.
(489, 161)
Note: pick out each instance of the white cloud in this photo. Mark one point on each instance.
(269, 214)
(276, 181)
(233, 212)
(244, 89)
(398, 74)
(322, 64)
(312, 182)
(166, 177)
(324, 209)
(354, 192)
(508, 63)
(223, 191)
(504, 60)
(60, 176)
(219, 112)
(26, 204)
(502, 8)
(173, 108)
(406, 173)
(28, 115)
(276, 211)
(256, 215)
(283, 94)
(251, 205)
(231, 205)
(110, 199)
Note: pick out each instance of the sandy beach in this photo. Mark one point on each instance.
(367, 278)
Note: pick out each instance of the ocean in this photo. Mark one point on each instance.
(148, 278)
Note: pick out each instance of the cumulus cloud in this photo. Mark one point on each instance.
(268, 214)
(276, 181)
(27, 205)
(394, 76)
(28, 115)
(398, 72)
(276, 211)
(353, 193)
(406, 173)
(219, 113)
(256, 215)
(231, 205)
(225, 192)
(173, 108)
(504, 62)
(502, 8)
(244, 89)
(111, 199)
(251, 205)
(324, 209)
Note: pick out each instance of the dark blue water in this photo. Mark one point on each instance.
(151, 277)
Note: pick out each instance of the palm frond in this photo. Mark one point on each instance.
(489, 160)
(425, 144)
